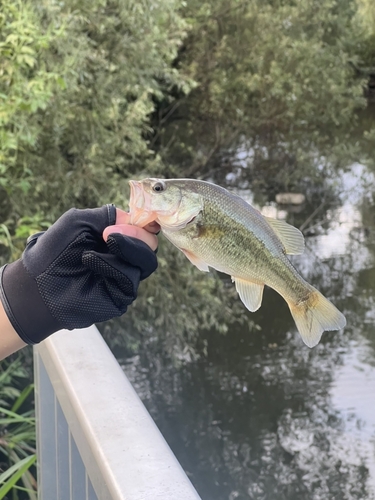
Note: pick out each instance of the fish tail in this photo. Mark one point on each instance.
(314, 315)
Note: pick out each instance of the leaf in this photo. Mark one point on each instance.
(61, 82)
(27, 50)
(11, 476)
(12, 38)
(24, 394)
(14, 417)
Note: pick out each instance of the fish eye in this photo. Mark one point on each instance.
(158, 187)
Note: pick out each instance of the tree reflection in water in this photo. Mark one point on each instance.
(264, 417)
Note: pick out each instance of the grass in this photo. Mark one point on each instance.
(17, 434)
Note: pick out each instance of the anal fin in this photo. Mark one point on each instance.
(250, 293)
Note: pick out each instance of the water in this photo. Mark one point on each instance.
(263, 416)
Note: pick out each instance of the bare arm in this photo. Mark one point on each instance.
(9, 340)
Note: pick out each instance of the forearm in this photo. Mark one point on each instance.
(9, 339)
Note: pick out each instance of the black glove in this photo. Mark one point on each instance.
(69, 277)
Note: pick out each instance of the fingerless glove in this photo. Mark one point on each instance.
(69, 277)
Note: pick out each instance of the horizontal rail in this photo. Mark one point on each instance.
(96, 440)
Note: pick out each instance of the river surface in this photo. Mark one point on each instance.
(264, 417)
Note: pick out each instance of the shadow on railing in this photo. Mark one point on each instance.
(96, 440)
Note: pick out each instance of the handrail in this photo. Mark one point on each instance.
(95, 438)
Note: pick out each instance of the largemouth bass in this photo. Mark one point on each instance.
(215, 228)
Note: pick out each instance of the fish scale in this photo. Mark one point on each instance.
(239, 250)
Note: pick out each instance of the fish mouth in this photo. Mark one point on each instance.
(142, 210)
(140, 213)
(136, 195)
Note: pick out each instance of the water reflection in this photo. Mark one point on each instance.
(264, 417)
(352, 394)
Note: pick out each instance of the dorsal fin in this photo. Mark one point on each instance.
(290, 236)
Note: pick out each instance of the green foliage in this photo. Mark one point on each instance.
(274, 78)
(365, 16)
(100, 68)
(364, 23)
(9, 478)
(17, 432)
(77, 84)
(26, 88)
(22, 229)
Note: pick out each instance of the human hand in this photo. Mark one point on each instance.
(123, 226)
(69, 277)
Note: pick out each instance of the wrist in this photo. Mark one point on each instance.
(23, 304)
(10, 341)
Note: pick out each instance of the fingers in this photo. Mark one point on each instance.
(135, 232)
(133, 251)
(122, 226)
(124, 218)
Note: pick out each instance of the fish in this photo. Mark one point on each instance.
(217, 229)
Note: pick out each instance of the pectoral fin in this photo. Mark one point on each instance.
(290, 236)
(202, 266)
(250, 293)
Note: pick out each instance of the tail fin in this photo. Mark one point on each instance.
(315, 315)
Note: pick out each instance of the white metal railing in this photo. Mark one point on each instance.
(95, 438)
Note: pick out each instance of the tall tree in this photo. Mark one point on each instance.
(274, 77)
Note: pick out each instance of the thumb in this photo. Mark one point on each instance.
(134, 232)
